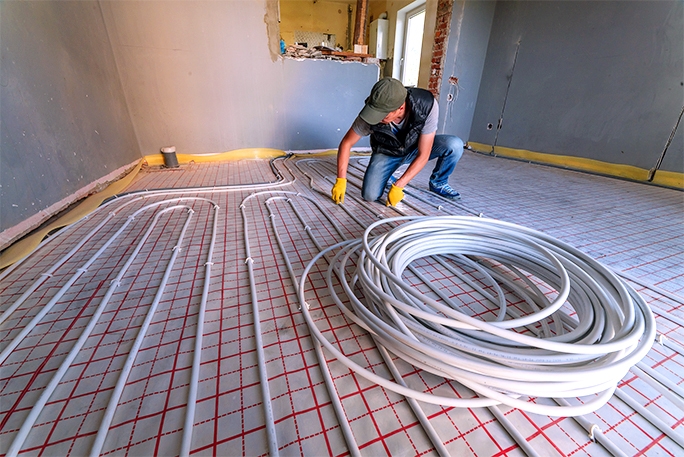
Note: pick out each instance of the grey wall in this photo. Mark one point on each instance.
(600, 80)
(63, 117)
(328, 98)
(199, 75)
(87, 87)
(471, 23)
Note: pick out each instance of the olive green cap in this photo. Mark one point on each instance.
(387, 95)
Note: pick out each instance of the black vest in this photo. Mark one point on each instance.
(419, 103)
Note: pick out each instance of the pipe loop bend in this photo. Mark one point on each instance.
(556, 323)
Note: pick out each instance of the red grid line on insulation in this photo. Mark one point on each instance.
(229, 418)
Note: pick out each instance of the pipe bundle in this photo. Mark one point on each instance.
(560, 324)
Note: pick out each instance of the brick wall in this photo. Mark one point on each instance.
(442, 27)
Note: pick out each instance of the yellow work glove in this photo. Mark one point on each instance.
(338, 190)
(395, 195)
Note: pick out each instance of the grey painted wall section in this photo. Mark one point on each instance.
(599, 80)
(63, 117)
(471, 23)
(199, 75)
(321, 99)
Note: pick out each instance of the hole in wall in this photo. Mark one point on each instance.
(490, 126)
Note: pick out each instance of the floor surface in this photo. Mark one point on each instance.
(125, 290)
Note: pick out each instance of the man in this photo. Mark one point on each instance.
(402, 124)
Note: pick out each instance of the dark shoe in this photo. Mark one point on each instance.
(445, 190)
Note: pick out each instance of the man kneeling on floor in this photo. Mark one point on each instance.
(402, 124)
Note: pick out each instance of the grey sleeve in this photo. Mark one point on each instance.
(431, 121)
(361, 127)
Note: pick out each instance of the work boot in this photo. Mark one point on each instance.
(445, 190)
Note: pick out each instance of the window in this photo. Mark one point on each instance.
(408, 42)
(415, 23)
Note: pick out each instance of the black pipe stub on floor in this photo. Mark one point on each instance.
(170, 159)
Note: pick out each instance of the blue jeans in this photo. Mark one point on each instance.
(447, 149)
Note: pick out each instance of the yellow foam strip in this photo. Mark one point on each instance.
(238, 154)
(662, 177)
(330, 152)
(25, 246)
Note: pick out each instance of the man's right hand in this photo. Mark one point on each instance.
(338, 190)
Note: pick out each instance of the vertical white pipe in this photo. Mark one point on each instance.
(197, 356)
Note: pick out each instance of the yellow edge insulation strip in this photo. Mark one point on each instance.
(238, 154)
(26, 245)
(662, 177)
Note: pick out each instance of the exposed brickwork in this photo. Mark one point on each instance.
(442, 28)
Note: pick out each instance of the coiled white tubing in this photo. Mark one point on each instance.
(600, 325)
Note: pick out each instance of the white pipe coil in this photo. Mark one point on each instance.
(603, 327)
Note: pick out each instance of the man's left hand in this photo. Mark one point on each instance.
(395, 195)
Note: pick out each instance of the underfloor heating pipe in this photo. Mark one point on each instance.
(595, 433)
(131, 198)
(114, 398)
(418, 411)
(8, 270)
(671, 344)
(28, 423)
(420, 415)
(358, 174)
(427, 426)
(439, 445)
(272, 438)
(186, 440)
(280, 182)
(326, 177)
(664, 386)
(79, 272)
(342, 419)
(666, 293)
(627, 276)
(50, 271)
(649, 416)
(518, 437)
(419, 190)
(575, 383)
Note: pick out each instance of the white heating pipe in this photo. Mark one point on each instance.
(427, 426)
(595, 433)
(197, 356)
(44, 276)
(261, 360)
(664, 386)
(46, 309)
(418, 411)
(26, 426)
(280, 182)
(105, 424)
(194, 190)
(133, 197)
(649, 416)
(342, 419)
(518, 437)
(624, 317)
